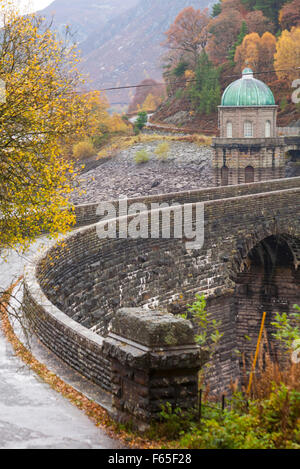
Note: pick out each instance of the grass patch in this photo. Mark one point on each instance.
(141, 156)
(122, 143)
(162, 151)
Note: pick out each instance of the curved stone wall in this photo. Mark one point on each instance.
(80, 284)
(73, 343)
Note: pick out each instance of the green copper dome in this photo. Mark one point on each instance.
(247, 91)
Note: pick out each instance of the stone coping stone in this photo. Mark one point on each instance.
(152, 328)
(132, 356)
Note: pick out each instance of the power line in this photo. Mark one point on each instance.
(191, 80)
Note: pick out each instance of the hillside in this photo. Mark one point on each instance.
(85, 16)
(238, 34)
(124, 48)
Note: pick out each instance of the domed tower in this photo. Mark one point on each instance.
(248, 149)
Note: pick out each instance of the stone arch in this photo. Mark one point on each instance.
(249, 174)
(268, 282)
(237, 262)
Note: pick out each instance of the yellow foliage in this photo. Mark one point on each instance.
(83, 150)
(189, 74)
(141, 156)
(287, 56)
(41, 112)
(162, 151)
(117, 124)
(256, 52)
(151, 102)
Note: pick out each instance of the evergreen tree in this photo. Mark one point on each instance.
(243, 33)
(205, 93)
(217, 9)
(270, 8)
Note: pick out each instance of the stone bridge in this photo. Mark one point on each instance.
(248, 264)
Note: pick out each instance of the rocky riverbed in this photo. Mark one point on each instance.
(187, 167)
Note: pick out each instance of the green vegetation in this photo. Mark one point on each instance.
(267, 421)
(217, 9)
(272, 423)
(205, 92)
(141, 121)
(232, 51)
(286, 332)
(180, 69)
(141, 156)
(206, 49)
(208, 336)
(270, 8)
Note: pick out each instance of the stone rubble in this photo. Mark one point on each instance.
(188, 167)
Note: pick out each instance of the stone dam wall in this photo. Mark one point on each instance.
(84, 294)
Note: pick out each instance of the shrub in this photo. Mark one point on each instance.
(179, 93)
(141, 121)
(162, 151)
(83, 150)
(141, 156)
(271, 423)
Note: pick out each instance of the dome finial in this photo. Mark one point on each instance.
(247, 73)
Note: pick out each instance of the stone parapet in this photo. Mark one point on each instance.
(155, 361)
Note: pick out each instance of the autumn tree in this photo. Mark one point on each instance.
(151, 102)
(256, 52)
(269, 8)
(147, 87)
(289, 15)
(287, 56)
(41, 109)
(224, 31)
(258, 23)
(188, 35)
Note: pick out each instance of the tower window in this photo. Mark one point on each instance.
(248, 129)
(268, 129)
(229, 129)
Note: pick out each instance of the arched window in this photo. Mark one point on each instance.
(248, 129)
(268, 129)
(224, 176)
(249, 174)
(229, 129)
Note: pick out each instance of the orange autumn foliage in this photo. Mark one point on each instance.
(188, 34)
(287, 56)
(289, 15)
(256, 52)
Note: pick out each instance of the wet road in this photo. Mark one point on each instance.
(32, 415)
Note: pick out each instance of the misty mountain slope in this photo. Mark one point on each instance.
(128, 49)
(84, 16)
(120, 40)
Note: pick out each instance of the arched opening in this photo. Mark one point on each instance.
(248, 129)
(229, 129)
(249, 174)
(269, 283)
(268, 129)
(224, 176)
